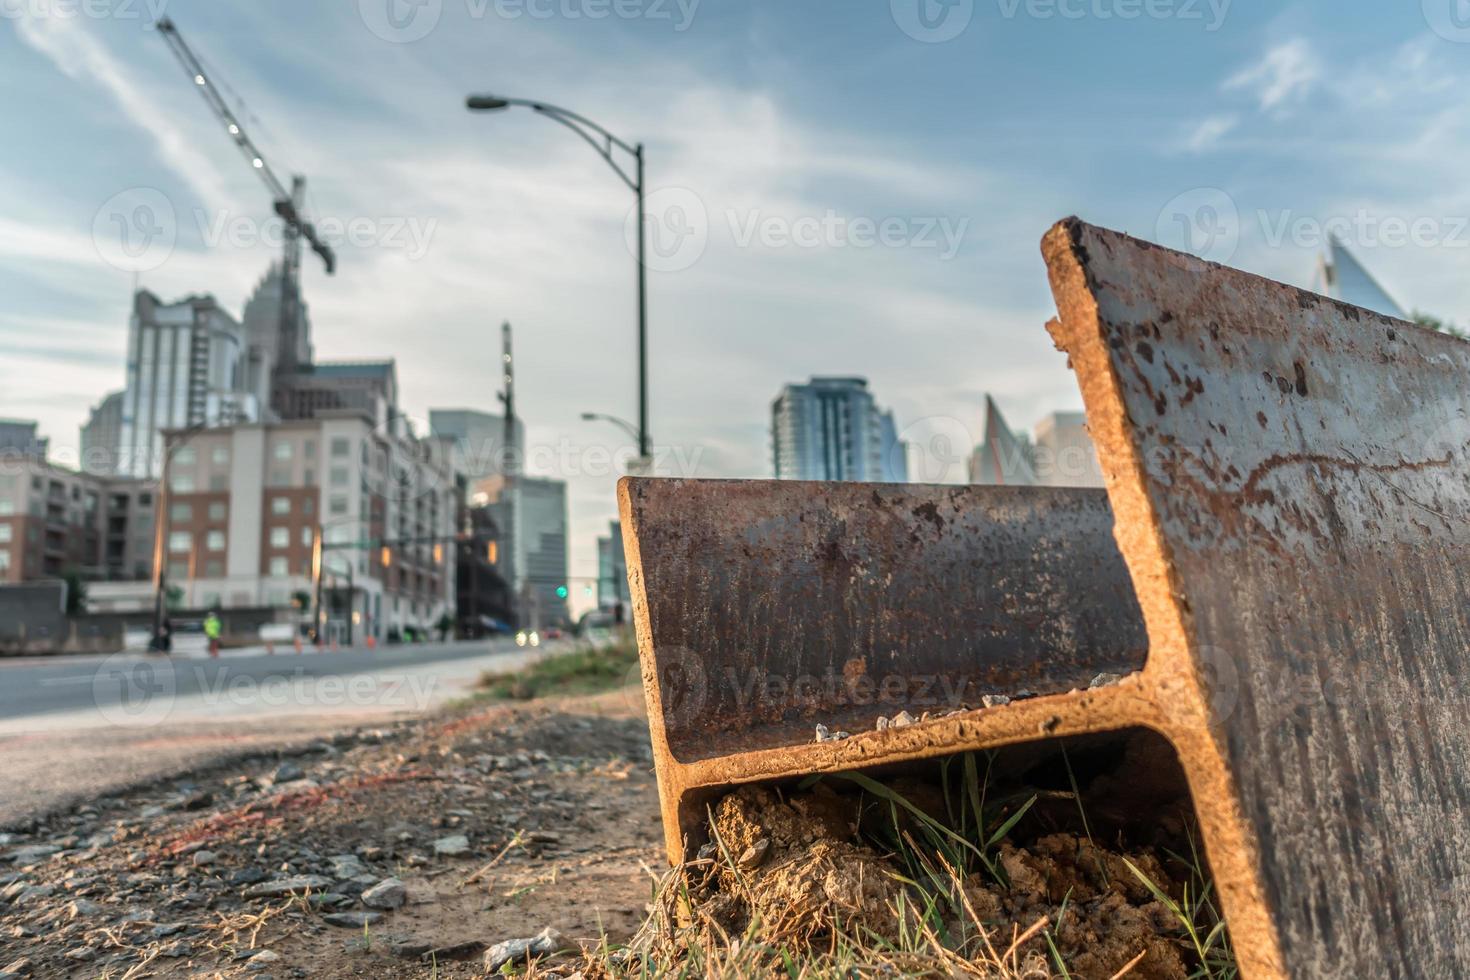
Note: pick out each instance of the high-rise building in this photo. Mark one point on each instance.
(612, 569)
(18, 437)
(832, 429)
(1060, 455)
(366, 388)
(531, 513)
(1342, 277)
(102, 436)
(480, 448)
(186, 367)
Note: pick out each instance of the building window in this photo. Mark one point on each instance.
(184, 456)
(280, 505)
(179, 542)
(308, 506)
(280, 537)
(214, 569)
(4, 560)
(217, 510)
(341, 447)
(308, 537)
(182, 513)
(178, 570)
(145, 500)
(218, 482)
(181, 482)
(5, 533)
(308, 448)
(214, 540)
(280, 478)
(337, 505)
(7, 507)
(278, 567)
(282, 450)
(220, 455)
(339, 476)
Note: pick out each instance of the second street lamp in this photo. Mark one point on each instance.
(604, 143)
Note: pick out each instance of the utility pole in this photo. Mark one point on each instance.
(510, 452)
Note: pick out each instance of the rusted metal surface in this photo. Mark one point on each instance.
(1289, 481)
(766, 608)
(1292, 487)
(775, 606)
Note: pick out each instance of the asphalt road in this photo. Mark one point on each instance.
(75, 727)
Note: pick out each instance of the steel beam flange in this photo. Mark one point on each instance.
(1291, 485)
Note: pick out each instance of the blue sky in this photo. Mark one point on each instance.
(858, 194)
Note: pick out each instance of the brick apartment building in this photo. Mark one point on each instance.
(54, 520)
(247, 503)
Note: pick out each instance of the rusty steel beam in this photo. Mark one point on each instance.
(1285, 603)
(767, 608)
(1292, 486)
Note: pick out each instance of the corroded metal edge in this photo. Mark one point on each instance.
(1172, 680)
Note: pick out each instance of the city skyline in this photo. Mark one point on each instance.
(472, 220)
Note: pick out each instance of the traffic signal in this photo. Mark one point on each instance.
(561, 591)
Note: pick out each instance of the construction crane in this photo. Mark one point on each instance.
(289, 204)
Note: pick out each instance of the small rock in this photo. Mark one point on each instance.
(352, 920)
(823, 735)
(195, 801)
(544, 837)
(389, 893)
(293, 885)
(754, 854)
(347, 865)
(544, 943)
(82, 908)
(248, 876)
(203, 858)
(452, 846)
(17, 968)
(82, 954)
(410, 948)
(994, 700)
(1104, 679)
(32, 853)
(287, 772)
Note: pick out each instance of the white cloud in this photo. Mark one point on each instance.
(1207, 133)
(81, 55)
(1282, 78)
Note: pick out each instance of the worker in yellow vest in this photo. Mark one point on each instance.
(212, 630)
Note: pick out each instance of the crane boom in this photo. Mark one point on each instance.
(287, 202)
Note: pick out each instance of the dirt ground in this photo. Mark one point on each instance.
(555, 801)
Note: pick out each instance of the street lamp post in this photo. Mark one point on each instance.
(160, 521)
(603, 142)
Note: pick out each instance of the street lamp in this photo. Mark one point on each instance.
(160, 520)
(603, 142)
(623, 424)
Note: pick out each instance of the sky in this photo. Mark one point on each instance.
(852, 187)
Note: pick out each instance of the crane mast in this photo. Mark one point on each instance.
(289, 202)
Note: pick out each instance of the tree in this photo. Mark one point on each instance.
(76, 592)
(1435, 323)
